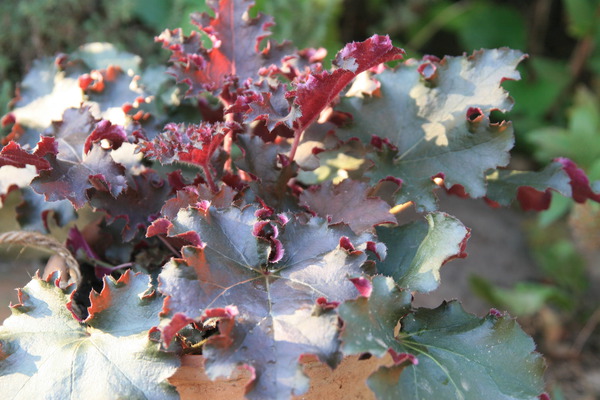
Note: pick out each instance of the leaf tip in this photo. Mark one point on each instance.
(401, 358)
(363, 285)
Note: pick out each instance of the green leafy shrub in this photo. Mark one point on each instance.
(247, 211)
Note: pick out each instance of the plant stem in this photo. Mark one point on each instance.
(297, 136)
(209, 179)
(228, 140)
(586, 332)
(168, 245)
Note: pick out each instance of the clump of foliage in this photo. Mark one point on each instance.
(245, 213)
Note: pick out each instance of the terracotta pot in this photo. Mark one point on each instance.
(346, 382)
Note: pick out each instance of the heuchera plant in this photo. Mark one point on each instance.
(247, 211)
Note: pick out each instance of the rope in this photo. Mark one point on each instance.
(44, 242)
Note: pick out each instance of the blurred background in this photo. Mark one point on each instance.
(543, 268)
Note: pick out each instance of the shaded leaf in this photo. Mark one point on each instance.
(34, 212)
(438, 125)
(272, 106)
(71, 132)
(418, 250)
(523, 299)
(44, 349)
(348, 202)
(461, 356)
(192, 195)
(269, 177)
(276, 316)
(443, 353)
(139, 204)
(369, 322)
(531, 189)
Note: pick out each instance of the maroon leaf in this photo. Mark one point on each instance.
(262, 161)
(348, 202)
(273, 107)
(192, 195)
(71, 179)
(320, 89)
(138, 205)
(235, 52)
(579, 182)
(275, 301)
(72, 131)
(194, 144)
(13, 154)
(533, 189)
(112, 135)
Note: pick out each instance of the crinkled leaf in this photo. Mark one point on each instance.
(236, 40)
(194, 144)
(532, 189)
(348, 202)
(418, 250)
(437, 122)
(461, 356)
(320, 89)
(277, 316)
(12, 154)
(139, 204)
(273, 107)
(192, 195)
(45, 350)
(443, 353)
(71, 179)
